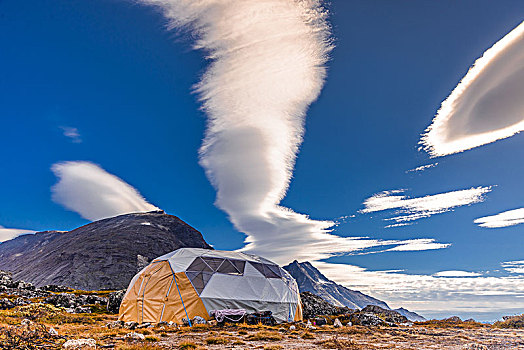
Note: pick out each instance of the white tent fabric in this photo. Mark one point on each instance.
(235, 280)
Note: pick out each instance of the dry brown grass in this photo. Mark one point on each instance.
(345, 344)
(186, 345)
(307, 335)
(138, 347)
(217, 340)
(273, 347)
(449, 323)
(265, 336)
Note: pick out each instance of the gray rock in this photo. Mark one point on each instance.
(82, 310)
(313, 305)
(6, 304)
(114, 300)
(144, 325)
(320, 321)
(199, 320)
(134, 336)
(77, 344)
(115, 324)
(55, 288)
(130, 325)
(389, 316)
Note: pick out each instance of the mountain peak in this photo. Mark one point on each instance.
(104, 254)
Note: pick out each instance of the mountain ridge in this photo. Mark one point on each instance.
(310, 279)
(103, 254)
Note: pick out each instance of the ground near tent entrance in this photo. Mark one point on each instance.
(19, 328)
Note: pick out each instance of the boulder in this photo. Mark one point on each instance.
(55, 288)
(337, 323)
(114, 300)
(6, 304)
(313, 305)
(130, 325)
(77, 344)
(389, 316)
(320, 321)
(134, 336)
(199, 320)
(69, 301)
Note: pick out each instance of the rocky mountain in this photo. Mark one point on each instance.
(309, 279)
(104, 254)
(410, 315)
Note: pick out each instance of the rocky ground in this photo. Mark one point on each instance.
(56, 317)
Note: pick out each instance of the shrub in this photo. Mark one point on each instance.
(217, 340)
(141, 346)
(335, 343)
(307, 335)
(273, 347)
(186, 345)
(34, 336)
(265, 335)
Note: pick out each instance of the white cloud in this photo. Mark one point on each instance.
(267, 64)
(422, 207)
(10, 233)
(514, 266)
(485, 298)
(486, 105)
(504, 219)
(94, 193)
(418, 245)
(72, 133)
(456, 273)
(422, 168)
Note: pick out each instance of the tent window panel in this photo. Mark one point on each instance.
(214, 263)
(206, 277)
(267, 270)
(275, 271)
(198, 283)
(239, 265)
(258, 266)
(228, 267)
(199, 265)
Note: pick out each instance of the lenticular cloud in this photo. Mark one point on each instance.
(267, 65)
(487, 105)
(94, 193)
(504, 219)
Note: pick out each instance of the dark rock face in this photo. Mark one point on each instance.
(410, 315)
(114, 300)
(390, 316)
(309, 279)
(313, 305)
(104, 254)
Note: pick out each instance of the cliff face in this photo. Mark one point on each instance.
(309, 279)
(104, 254)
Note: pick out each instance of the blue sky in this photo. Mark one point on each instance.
(110, 72)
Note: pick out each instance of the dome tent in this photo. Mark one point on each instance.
(191, 282)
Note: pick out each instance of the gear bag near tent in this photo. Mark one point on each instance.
(191, 282)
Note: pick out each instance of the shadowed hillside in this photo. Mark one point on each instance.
(104, 254)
